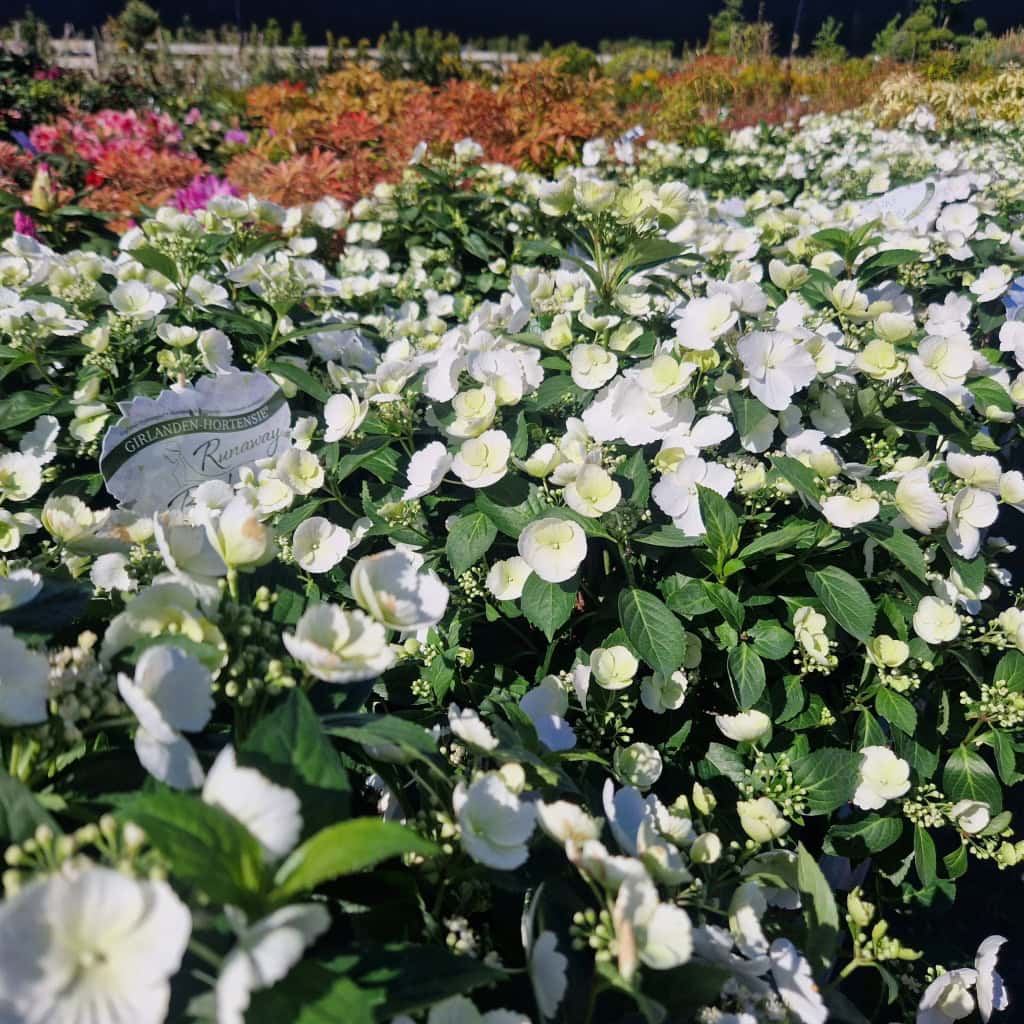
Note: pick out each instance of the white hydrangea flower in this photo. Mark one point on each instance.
(91, 946)
(395, 590)
(795, 982)
(110, 572)
(318, 545)
(593, 492)
(545, 705)
(339, 646)
(264, 954)
(20, 587)
(24, 682)
(883, 776)
(553, 548)
(917, 502)
(613, 668)
(427, 468)
(494, 824)
(936, 621)
(482, 461)
(270, 812)
(676, 492)
(745, 727)
(469, 727)
(344, 414)
(777, 367)
(507, 577)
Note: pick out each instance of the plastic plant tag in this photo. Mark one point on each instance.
(163, 448)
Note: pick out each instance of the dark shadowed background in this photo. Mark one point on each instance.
(583, 21)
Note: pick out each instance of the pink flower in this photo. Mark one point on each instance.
(201, 190)
(193, 116)
(25, 225)
(236, 135)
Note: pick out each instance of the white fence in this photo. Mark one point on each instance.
(82, 54)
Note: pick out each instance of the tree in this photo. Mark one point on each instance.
(723, 25)
(136, 24)
(826, 45)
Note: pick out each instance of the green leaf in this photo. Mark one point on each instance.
(290, 748)
(770, 639)
(747, 672)
(970, 570)
(776, 540)
(924, 856)
(635, 471)
(725, 761)
(748, 413)
(382, 731)
(901, 546)
(153, 259)
(548, 605)
(23, 406)
(302, 379)
(803, 480)
(987, 392)
(315, 993)
(956, 862)
(720, 523)
(897, 710)
(205, 846)
(344, 849)
(820, 912)
(664, 537)
(1006, 757)
(20, 812)
(468, 540)
(726, 602)
(844, 599)
(829, 776)
(877, 265)
(685, 595)
(653, 630)
(967, 776)
(1010, 669)
(358, 457)
(411, 977)
(861, 838)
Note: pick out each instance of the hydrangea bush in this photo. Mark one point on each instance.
(622, 630)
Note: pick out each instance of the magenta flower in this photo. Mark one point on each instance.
(25, 225)
(200, 190)
(236, 135)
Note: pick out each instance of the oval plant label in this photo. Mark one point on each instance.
(163, 448)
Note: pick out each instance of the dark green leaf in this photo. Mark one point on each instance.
(720, 523)
(205, 846)
(653, 630)
(829, 775)
(548, 605)
(897, 710)
(820, 912)
(860, 839)
(20, 812)
(290, 748)
(844, 599)
(924, 856)
(770, 639)
(967, 776)
(344, 849)
(468, 540)
(747, 672)
(302, 379)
